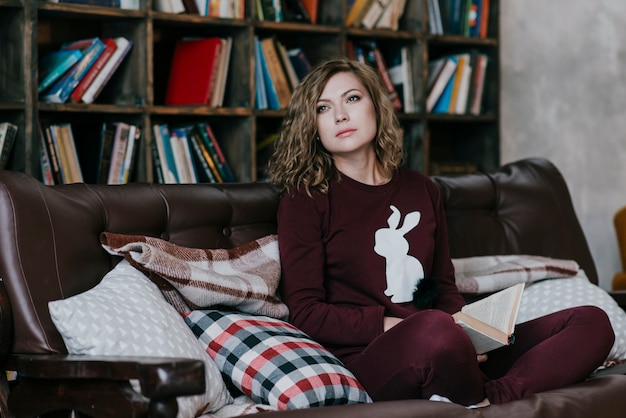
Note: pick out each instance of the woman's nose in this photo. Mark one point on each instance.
(340, 115)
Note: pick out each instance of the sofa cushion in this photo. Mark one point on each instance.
(273, 362)
(245, 278)
(544, 297)
(126, 314)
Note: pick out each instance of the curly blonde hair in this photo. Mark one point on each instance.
(299, 160)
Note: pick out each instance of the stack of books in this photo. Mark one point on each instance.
(379, 14)
(79, 70)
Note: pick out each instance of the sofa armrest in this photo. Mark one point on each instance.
(101, 384)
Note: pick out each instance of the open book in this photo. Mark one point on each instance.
(490, 322)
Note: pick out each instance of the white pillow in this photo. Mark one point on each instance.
(544, 297)
(126, 314)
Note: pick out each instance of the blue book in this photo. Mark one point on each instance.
(170, 162)
(260, 93)
(62, 88)
(443, 104)
(54, 64)
(272, 95)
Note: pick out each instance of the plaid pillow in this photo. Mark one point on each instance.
(273, 362)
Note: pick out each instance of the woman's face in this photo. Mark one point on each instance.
(346, 118)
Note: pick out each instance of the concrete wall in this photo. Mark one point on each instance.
(563, 77)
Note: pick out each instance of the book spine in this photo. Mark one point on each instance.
(47, 176)
(52, 153)
(10, 132)
(156, 162)
(119, 150)
(276, 71)
(106, 152)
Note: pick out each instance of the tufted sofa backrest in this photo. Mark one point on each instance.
(50, 248)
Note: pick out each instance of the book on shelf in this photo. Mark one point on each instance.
(296, 11)
(165, 153)
(54, 64)
(374, 13)
(8, 132)
(357, 11)
(122, 153)
(212, 144)
(477, 89)
(67, 156)
(109, 47)
(226, 9)
(435, 22)
(182, 156)
(191, 7)
(60, 91)
(169, 6)
(193, 71)
(461, 81)
(490, 322)
(276, 72)
(266, 11)
(442, 104)
(443, 79)
(128, 166)
(52, 153)
(260, 92)
(390, 19)
(401, 73)
(217, 95)
(312, 8)
(47, 175)
(299, 61)
(92, 92)
(287, 65)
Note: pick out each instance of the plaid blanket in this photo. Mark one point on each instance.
(485, 274)
(245, 278)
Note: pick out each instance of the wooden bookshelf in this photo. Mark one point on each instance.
(135, 94)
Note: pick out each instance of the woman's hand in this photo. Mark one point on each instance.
(481, 358)
(389, 322)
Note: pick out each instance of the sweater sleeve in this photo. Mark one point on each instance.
(449, 300)
(301, 244)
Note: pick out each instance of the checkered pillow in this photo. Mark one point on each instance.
(273, 362)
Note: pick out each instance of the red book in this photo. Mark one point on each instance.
(193, 70)
(109, 47)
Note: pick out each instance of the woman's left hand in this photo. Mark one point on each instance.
(481, 358)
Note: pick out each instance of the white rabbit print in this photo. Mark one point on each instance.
(402, 270)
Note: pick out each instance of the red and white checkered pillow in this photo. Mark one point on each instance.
(273, 362)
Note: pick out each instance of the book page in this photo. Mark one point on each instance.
(498, 310)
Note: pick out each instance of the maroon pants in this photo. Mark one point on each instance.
(428, 354)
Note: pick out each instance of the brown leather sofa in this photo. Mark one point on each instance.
(50, 250)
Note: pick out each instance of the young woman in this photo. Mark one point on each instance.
(366, 266)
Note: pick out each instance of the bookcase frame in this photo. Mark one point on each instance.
(135, 94)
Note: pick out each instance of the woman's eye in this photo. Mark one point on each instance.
(321, 108)
(354, 98)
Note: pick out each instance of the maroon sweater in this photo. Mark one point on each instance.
(355, 255)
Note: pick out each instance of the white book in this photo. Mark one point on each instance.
(123, 46)
(461, 102)
(440, 83)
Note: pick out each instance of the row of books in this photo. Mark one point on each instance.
(79, 70)
(456, 83)
(114, 159)
(189, 154)
(227, 9)
(370, 14)
(198, 72)
(287, 10)
(277, 72)
(8, 132)
(459, 17)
